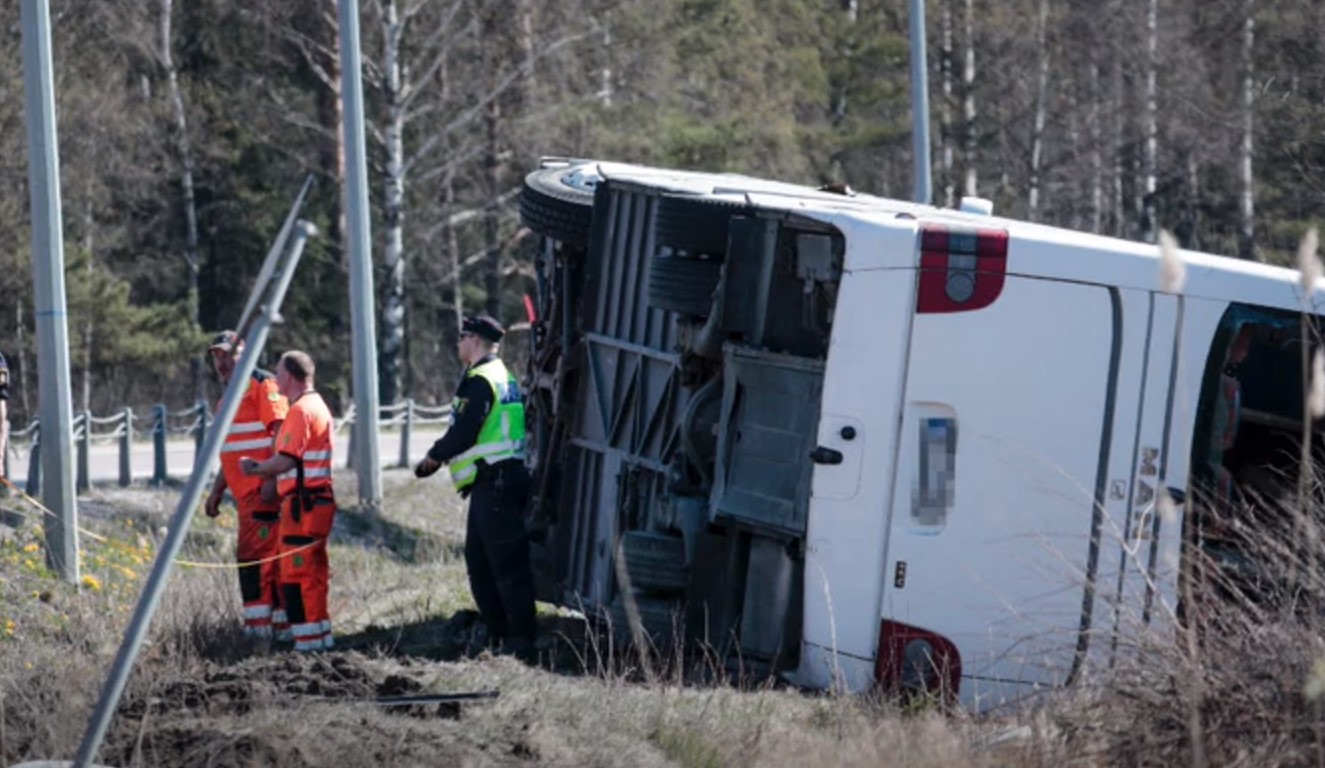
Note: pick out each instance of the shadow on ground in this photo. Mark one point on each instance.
(570, 646)
(409, 544)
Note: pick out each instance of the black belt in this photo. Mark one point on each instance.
(308, 498)
(490, 472)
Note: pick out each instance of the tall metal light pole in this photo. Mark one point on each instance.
(359, 242)
(48, 287)
(920, 103)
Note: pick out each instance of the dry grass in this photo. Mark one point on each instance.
(201, 696)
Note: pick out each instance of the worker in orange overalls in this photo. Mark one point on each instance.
(261, 411)
(302, 466)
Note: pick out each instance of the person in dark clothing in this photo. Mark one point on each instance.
(484, 451)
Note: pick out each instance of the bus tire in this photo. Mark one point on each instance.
(555, 210)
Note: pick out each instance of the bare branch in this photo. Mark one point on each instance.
(411, 90)
(460, 217)
(499, 90)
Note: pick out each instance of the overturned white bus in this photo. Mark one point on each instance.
(867, 442)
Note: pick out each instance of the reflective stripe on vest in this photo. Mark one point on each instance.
(502, 434)
(239, 437)
(245, 445)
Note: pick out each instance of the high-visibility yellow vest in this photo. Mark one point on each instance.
(502, 434)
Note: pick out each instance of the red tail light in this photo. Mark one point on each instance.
(914, 660)
(961, 268)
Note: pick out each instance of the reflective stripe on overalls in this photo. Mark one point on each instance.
(502, 434)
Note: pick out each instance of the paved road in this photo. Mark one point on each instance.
(104, 459)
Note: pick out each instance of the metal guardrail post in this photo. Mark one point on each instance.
(34, 463)
(84, 450)
(126, 450)
(159, 445)
(200, 434)
(405, 430)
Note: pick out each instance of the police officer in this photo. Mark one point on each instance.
(484, 450)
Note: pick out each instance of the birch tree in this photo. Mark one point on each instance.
(185, 162)
(1247, 207)
(945, 101)
(1041, 106)
(971, 159)
(1146, 204)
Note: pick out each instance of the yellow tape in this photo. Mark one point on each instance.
(187, 563)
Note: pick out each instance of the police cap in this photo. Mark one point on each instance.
(483, 326)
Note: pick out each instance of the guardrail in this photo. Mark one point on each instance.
(406, 415)
(123, 429)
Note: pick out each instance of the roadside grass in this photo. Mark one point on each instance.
(202, 695)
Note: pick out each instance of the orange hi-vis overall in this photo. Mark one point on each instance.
(308, 509)
(260, 410)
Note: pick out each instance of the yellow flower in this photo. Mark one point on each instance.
(92, 583)
(8, 628)
(33, 547)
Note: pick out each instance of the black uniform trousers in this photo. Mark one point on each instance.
(497, 552)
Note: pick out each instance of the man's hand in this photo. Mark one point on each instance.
(213, 504)
(426, 466)
(247, 465)
(268, 491)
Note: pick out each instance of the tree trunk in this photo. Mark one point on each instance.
(945, 103)
(1247, 231)
(393, 211)
(1096, 154)
(605, 73)
(1116, 147)
(491, 236)
(527, 53)
(454, 283)
(21, 339)
(88, 245)
(968, 96)
(1191, 238)
(491, 57)
(840, 100)
(1041, 93)
(1076, 189)
(330, 110)
(1149, 165)
(185, 158)
(452, 294)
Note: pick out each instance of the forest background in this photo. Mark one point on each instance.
(186, 128)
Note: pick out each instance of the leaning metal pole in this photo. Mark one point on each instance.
(274, 294)
(364, 357)
(48, 295)
(920, 102)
